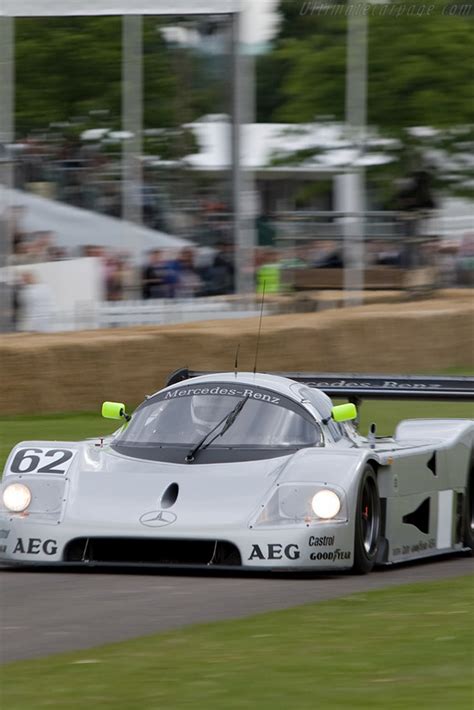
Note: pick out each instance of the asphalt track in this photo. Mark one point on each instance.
(50, 612)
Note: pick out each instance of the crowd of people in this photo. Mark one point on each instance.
(69, 170)
(196, 271)
(88, 175)
(164, 273)
(184, 274)
(181, 277)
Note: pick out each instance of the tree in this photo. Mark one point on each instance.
(67, 67)
(420, 66)
(419, 73)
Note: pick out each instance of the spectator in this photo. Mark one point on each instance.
(329, 256)
(266, 232)
(21, 254)
(56, 254)
(446, 262)
(189, 283)
(128, 275)
(15, 303)
(219, 276)
(42, 242)
(113, 279)
(36, 305)
(157, 280)
(465, 261)
(268, 271)
(17, 216)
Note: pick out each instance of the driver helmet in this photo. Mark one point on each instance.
(207, 410)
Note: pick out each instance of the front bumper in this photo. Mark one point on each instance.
(323, 546)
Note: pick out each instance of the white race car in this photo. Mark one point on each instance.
(258, 471)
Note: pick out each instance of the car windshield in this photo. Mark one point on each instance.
(184, 415)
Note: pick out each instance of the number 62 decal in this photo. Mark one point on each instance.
(41, 461)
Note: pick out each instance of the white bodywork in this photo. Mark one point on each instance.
(99, 493)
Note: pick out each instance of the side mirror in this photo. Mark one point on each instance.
(114, 410)
(344, 412)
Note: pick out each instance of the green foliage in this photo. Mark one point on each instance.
(420, 67)
(444, 152)
(419, 74)
(68, 67)
(420, 70)
(171, 143)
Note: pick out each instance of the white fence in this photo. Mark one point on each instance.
(122, 314)
(64, 295)
(72, 295)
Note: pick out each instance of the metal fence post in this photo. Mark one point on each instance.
(243, 189)
(356, 120)
(7, 135)
(132, 118)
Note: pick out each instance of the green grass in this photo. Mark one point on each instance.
(71, 427)
(404, 648)
(387, 414)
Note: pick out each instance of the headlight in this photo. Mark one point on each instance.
(305, 504)
(16, 497)
(326, 504)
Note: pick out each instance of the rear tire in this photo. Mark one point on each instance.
(367, 523)
(468, 522)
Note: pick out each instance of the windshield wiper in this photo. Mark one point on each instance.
(228, 420)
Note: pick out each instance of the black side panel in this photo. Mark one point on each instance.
(432, 464)
(420, 517)
(383, 549)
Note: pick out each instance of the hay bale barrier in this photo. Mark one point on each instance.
(76, 371)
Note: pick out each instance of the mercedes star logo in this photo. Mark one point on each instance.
(157, 518)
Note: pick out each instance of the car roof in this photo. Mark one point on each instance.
(274, 382)
(283, 385)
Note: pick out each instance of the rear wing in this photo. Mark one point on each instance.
(358, 387)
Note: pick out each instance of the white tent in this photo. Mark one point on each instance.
(261, 143)
(74, 227)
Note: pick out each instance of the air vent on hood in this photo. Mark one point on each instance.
(170, 496)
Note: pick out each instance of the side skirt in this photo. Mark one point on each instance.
(424, 556)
